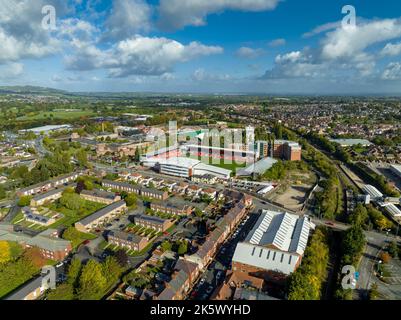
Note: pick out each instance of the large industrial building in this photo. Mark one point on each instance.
(373, 192)
(275, 245)
(186, 167)
(47, 129)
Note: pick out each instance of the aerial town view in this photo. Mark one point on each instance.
(204, 151)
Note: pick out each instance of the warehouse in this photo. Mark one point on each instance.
(276, 244)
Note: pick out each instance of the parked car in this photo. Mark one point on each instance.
(86, 242)
(202, 281)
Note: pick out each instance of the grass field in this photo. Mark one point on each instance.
(72, 216)
(61, 115)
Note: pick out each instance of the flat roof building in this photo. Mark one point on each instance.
(47, 129)
(373, 192)
(187, 167)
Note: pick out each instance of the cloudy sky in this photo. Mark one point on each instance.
(244, 46)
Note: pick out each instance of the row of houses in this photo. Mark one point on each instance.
(100, 196)
(170, 208)
(181, 188)
(42, 198)
(101, 216)
(127, 240)
(50, 184)
(139, 190)
(189, 267)
(153, 222)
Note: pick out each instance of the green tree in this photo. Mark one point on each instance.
(24, 201)
(92, 282)
(63, 292)
(2, 192)
(71, 201)
(353, 244)
(360, 216)
(5, 252)
(82, 158)
(166, 245)
(131, 200)
(111, 269)
(74, 271)
(182, 248)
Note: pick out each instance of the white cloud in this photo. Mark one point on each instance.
(73, 28)
(127, 18)
(21, 32)
(391, 49)
(137, 56)
(175, 14)
(342, 52)
(11, 71)
(277, 43)
(249, 53)
(202, 75)
(348, 42)
(323, 28)
(392, 71)
(293, 56)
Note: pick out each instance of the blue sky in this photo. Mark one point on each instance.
(244, 46)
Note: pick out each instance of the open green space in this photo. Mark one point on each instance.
(60, 115)
(71, 216)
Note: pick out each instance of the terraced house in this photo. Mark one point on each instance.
(52, 195)
(100, 196)
(166, 207)
(50, 184)
(101, 216)
(127, 240)
(152, 222)
(145, 192)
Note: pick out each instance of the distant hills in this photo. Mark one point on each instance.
(30, 90)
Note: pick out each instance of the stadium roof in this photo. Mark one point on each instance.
(259, 167)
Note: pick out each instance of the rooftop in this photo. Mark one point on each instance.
(100, 213)
(283, 231)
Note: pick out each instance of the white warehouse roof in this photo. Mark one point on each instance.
(277, 242)
(48, 128)
(372, 191)
(393, 210)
